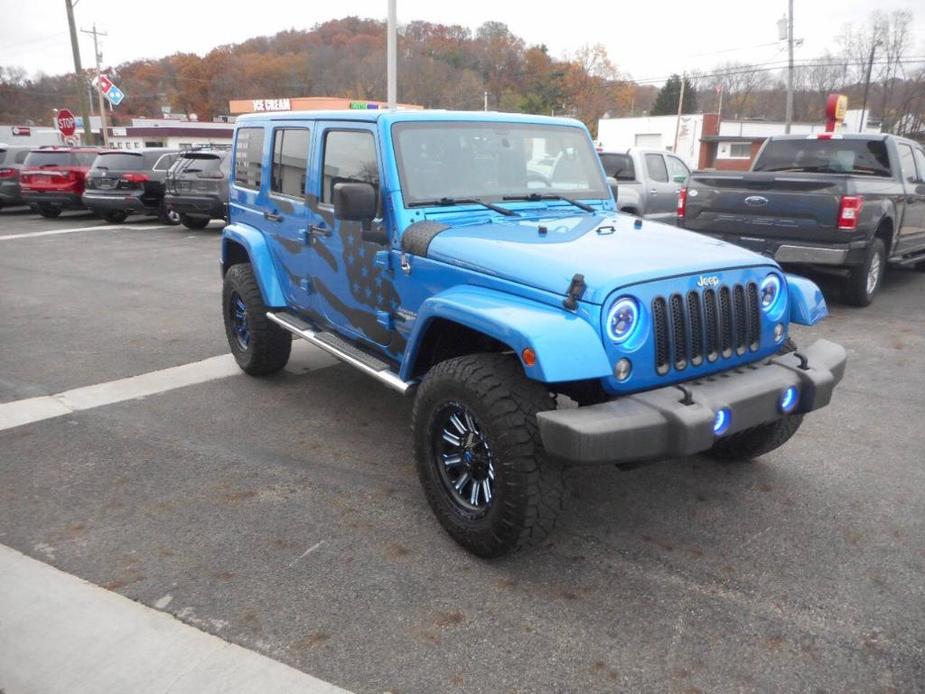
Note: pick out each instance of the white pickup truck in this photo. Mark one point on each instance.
(648, 181)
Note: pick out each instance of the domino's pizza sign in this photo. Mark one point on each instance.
(112, 93)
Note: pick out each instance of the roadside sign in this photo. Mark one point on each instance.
(21, 131)
(105, 84)
(112, 93)
(66, 123)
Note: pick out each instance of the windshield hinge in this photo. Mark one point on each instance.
(575, 291)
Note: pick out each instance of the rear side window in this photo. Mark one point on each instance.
(677, 169)
(865, 157)
(906, 163)
(21, 156)
(920, 163)
(349, 156)
(248, 158)
(2, 155)
(165, 162)
(656, 166)
(117, 161)
(619, 166)
(290, 161)
(50, 158)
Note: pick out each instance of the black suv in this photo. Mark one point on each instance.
(197, 187)
(122, 182)
(11, 161)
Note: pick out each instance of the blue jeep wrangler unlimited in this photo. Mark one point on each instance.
(476, 260)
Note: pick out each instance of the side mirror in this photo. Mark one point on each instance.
(612, 182)
(355, 202)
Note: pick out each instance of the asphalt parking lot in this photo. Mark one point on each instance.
(284, 514)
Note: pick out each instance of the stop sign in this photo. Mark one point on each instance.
(67, 124)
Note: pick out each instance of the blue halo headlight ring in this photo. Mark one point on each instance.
(769, 292)
(623, 319)
(789, 399)
(721, 421)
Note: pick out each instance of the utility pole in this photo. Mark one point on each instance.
(789, 114)
(392, 56)
(75, 48)
(104, 127)
(870, 67)
(677, 127)
(485, 100)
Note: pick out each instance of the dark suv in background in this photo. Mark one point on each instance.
(197, 186)
(124, 182)
(11, 161)
(52, 178)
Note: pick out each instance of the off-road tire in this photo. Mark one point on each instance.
(115, 216)
(764, 438)
(269, 345)
(528, 486)
(194, 222)
(49, 211)
(856, 287)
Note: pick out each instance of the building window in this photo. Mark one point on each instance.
(740, 150)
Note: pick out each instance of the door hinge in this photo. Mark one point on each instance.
(384, 318)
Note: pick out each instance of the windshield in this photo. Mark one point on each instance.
(119, 161)
(825, 156)
(492, 160)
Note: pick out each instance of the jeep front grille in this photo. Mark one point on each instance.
(705, 325)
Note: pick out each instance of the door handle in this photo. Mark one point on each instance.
(319, 232)
(653, 191)
(272, 217)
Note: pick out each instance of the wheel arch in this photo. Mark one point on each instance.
(566, 346)
(244, 244)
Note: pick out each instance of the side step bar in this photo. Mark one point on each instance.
(342, 349)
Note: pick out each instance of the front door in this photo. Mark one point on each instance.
(912, 227)
(287, 217)
(350, 290)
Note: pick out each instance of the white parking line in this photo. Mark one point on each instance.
(61, 634)
(305, 357)
(101, 227)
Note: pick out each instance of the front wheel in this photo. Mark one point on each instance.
(194, 222)
(259, 346)
(115, 216)
(864, 280)
(479, 456)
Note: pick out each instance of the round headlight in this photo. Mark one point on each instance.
(769, 292)
(623, 319)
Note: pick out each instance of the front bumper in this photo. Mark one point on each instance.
(657, 424)
(68, 201)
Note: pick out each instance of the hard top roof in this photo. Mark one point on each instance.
(388, 116)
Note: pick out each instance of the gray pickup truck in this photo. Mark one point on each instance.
(848, 204)
(648, 181)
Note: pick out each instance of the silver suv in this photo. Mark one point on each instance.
(648, 181)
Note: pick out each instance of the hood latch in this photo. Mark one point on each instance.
(575, 291)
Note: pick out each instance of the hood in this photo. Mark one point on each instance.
(609, 250)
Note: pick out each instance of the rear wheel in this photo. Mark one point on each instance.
(115, 216)
(479, 455)
(168, 216)
(259, 346)
(194, 222)
(49, 211)
(864, 280)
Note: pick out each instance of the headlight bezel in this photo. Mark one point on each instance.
(775, 307)
(629, 306)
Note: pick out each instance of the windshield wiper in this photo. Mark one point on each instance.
(536, 197)
(448, 202)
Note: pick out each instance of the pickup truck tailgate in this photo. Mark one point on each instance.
(795, 206)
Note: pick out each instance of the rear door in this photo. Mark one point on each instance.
(661, 193)
(286, 221)
(350, 290)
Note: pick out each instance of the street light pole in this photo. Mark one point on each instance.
(677, 127)
(789, 110)
(392, 56)
(75, 48)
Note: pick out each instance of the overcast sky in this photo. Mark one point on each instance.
(648, 39)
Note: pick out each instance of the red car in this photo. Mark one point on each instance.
(52, 178)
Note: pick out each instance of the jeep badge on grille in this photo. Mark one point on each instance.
(708, 281)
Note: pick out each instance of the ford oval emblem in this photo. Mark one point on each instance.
(756, 201)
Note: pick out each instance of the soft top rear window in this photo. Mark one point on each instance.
(865, 157)
(119, 161)
(50, 158)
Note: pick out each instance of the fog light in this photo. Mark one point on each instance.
(789, 399)
(721, 421)
(622, 369)
(778, 332)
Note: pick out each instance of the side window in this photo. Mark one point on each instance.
(677, 170)
(349, 156)
(248, 158)
(165, 162)
(919, 163)
(290, 161)
(656, 166)
(906, 162)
